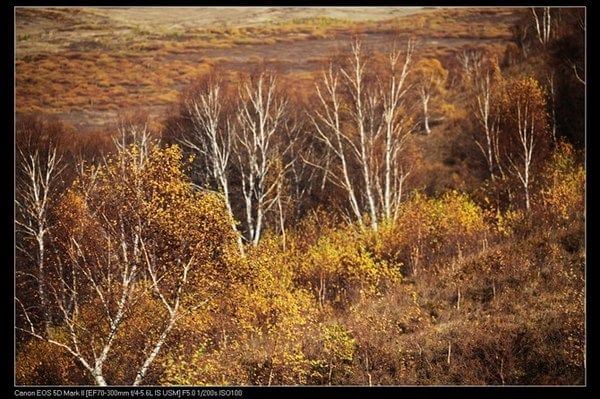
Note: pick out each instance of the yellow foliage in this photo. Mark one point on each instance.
(564, 193)
(266, 317)
(431, 226)
(136, 209)
(507, 221)
(339, 266)
(43, 363)
(338, 344)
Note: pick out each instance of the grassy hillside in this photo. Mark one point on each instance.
(87, 65)
(300, 196)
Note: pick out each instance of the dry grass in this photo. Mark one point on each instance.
(76, 60)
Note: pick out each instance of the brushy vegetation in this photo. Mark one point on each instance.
(466, 284)
(341, 306)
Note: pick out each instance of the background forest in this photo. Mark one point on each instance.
(401, 213)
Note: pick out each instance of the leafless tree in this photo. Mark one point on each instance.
(134, 133)
(327, 122)
(543, 24)
(362, 102)
(211, 139)
(366, 125)
(488, 116)
(34, 196)
(574, 65)
(431, 76)
(470, 60)
(261, 149)
(521, 34)
(396, 127)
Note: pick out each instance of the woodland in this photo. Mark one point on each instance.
(397, 219)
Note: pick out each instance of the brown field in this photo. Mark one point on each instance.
(88, 65)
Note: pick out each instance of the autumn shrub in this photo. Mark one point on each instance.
(42, 363)
(503, 331)
(332, 364)
(563, 194)
(381, 327)
(256, 334)
(430, 229)
(339, 269)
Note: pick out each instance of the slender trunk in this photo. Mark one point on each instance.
(369, 193)
(526, 182)
(321, 294)
(249, 218)
(281, 223)
(368, 371)
(41, 283)
(270, 375)
(240, 244)
(350, 189)
(161, 340)
(258, 227)
(415, 260)
(99, 378)
(426, 115)
(365, 164)
(552, 105)
(388, 172)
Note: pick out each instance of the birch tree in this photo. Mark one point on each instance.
(363, 123)
(431, 77)
(264, 139)
(543, 24)
(36, 191)
(486, 94)
(327, 121)
(470, 61)
(397, 125)
(361, 104)
(211, 139)
(132, 243)
(526, 127)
